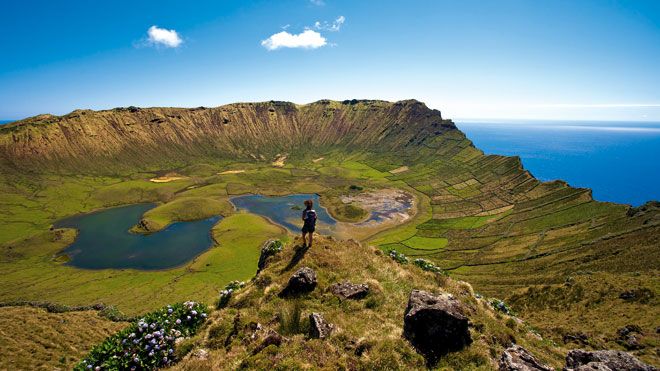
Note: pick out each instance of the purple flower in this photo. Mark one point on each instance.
(194, 312)
(151, 354)
(178, 321)
(136, 360)
(170, 351)
(97, 368)
(169, 310)
(164, 359)
(203, 315)
(188, 318)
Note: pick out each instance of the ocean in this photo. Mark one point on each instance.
(619, 161)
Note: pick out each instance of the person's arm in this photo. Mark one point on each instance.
(303, 215)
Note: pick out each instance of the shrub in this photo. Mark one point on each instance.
(225, 295)
(428, 266)
(398, 257)
(500, 306)
(147, 343)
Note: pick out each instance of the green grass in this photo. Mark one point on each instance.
(425, 243)
(185, 209)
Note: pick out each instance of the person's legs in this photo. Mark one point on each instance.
(304, 239)
(311, 236)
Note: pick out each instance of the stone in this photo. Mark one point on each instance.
(517, 358)
(318, 327)
(629, 337)
(301, 282)
(271, 338)
(347, 290)
(435, 324)
(201, 354)
(613, 359)
(268, 249)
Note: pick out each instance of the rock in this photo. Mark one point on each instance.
(347, 290)
(517, 358)
(271, 338)
(435, 325)
(578, 337)
(201, 354)
(612, 359)
(593, 366)
(318, 327)
(303, 281)
(629, 337)
(268, 249)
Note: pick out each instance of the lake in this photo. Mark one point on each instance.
(286, 210)
(619, 161)
(104, 240)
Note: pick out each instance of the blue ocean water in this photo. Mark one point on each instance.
(619, 161)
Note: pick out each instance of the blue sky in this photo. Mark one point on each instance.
(560, 59)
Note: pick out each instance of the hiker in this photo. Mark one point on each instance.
(309, 222)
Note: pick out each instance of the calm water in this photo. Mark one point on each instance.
(104, 241)
(620, 161)
(286, 210)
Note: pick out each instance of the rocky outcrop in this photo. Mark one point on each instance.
(629, 337)
(604, 360)
(268, 249)
(348, 290)
(517, 358)
(435, 324)
(302, 282)
(318, 327)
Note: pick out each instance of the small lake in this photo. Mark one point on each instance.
(286, 210)
(384, 207)
(104, 240)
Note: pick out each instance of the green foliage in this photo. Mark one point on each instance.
(149, 342)
(228, 291)
(291, 321)
(428, 266)
(500, 306)
(398, 257)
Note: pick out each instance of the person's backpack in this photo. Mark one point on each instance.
(310, 217)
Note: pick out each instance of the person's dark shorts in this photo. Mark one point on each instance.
(308, 228)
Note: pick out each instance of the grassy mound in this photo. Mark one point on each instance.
(34, 338)
(367, 332)
(181, 210)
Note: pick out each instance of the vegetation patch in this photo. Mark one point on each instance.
(149, 342)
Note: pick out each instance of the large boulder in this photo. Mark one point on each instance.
(603, 360)
(302, 281)
(318, 327)
(347, 290)
(435, 324)
(517, 358)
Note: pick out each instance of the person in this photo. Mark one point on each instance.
(309, 222)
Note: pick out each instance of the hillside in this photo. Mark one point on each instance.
(575, 270)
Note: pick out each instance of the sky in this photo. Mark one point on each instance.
(506, 59)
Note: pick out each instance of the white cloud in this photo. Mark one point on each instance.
(317, 2)
(164, 37)
(334, 26)
(308, 39)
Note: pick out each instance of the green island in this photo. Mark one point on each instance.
(570, 271)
